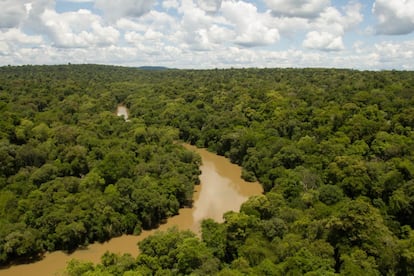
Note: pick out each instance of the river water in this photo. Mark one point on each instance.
(121, 110)
(221, 190)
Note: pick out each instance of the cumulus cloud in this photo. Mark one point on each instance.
(210, 6)
(116, 9)
(332, 20)
(395, 17)
(323, 41)
(132, 25)
(170, 4)
(153, 19)
(35, 9)
(17, 36)
(12, 13)
(205, 33)
(297, 8)
(78, 29)
(12, 44)
(290, 26)
(252, 28)
(218, 34)
(149, 36)
(237, 23)
(77, 1)
(146, 44)
(191, 31)
(152, 36)
(4, 49)
(353, 15)
(156, 19)
(328, 29)
(395, 53)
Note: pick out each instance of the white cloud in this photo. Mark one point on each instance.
(323, 41)
(128, 24)
(219, 35)
(386, 55)
(290, 26)
(76, 1)
(210, 6)
(395, 17)
(156, 20)
(353, 15)
(333, 21)
(17, 36)
(256, 34)
(148, 37)
(12, 12)
(207, 33)
(328, 29)
(35, 9)
(194, 17)
(236, 23)
(152, 27)
(5, 50)
(297, 8)
(170, 4)
(151, 34)
(396, 53)
(191, 32)
(142, 44)
(116, 9)
(252, 28)
(78, 29)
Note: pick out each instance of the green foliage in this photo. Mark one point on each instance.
(180, 251)
(332, 148)
(71, 171)
(78, 268)
(330, 194)
(360, 225)
(357, 262)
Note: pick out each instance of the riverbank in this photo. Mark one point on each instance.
(221, 190)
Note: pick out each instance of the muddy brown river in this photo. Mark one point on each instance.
(221, 190)
(122, 111)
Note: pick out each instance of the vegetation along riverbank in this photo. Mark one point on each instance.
(333, 150)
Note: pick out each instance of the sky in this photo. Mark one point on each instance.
(202, 34)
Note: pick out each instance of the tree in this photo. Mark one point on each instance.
(21, 242)
(115, 165)
(238, 226)
(77, 268)
(258, 206)
(330, 194)
(214, 235)
(357, 263)
(360, 225)
(70, 235)
(191, 254)
(160, 250)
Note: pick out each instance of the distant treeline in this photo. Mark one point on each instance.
(333, 149)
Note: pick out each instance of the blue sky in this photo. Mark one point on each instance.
(373, 35)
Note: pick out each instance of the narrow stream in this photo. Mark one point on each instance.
(122, 111)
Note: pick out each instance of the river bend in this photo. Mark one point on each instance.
(221, 190)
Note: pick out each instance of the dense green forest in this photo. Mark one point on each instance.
(333, 149)
(71, 171)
